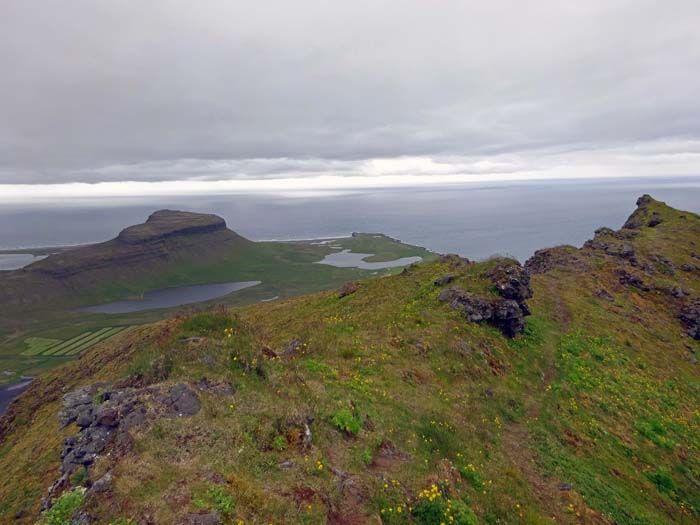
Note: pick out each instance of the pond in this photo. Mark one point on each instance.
(169, 297)
(14, 261)
(347, 259)
(9, 392)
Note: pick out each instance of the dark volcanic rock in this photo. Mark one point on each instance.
(348, 289)
(690, 317)
(169, 223)
(104, 484)
(511, 280)
(542, 261)
(474, 307)
(604, 294)
(509, 317)
(444, 280)
(182, 401)
(643, 216)
(629, 279)
(507, 312)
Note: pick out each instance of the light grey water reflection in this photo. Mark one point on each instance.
(347, 259)
(169, 297)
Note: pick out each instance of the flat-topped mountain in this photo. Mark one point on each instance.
(166, 235)
(563, 391)
(169, 223)
(168, 243)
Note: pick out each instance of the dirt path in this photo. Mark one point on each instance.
(516, 441)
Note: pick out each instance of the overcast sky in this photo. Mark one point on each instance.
(95, 91)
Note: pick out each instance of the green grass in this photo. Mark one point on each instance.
(286, 269)
(590, 417)
(38, 345)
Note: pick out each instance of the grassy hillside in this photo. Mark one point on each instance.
(385, 404)
(285, 268)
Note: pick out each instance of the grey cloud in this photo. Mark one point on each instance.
(156, 90)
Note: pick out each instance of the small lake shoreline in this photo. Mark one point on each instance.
(9, 392)
(171, 297)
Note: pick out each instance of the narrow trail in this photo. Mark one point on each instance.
(516, 439)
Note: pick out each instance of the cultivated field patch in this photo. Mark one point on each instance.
(40, 346)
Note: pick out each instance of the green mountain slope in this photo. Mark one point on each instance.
(41, 302)
(401, 400)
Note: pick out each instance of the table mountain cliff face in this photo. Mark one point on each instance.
(164, 224)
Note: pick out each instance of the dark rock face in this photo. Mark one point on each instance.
(629, 279)
(690, 317)
(169, 223)
(506, 314)
(105, 415)
(642, 216)
(511, 280)
(104, 484)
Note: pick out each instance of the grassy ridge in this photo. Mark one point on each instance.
(416, 416)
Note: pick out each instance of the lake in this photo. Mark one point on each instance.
(9, 392)
(169, 297)
(348, 259)
(474, 220)
(12, 261)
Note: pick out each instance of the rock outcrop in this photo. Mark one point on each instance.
(690, 317)
(643, 215)
(507, 311)
(104, 415)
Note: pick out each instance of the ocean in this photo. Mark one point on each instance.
(474, 220)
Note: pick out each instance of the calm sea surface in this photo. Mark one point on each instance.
(475, 220)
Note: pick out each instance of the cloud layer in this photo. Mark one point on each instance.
(178, 90)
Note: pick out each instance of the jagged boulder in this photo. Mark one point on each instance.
(511, 280)
(505, 314)
(507, 311)
(101, 412)
(690, 317)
